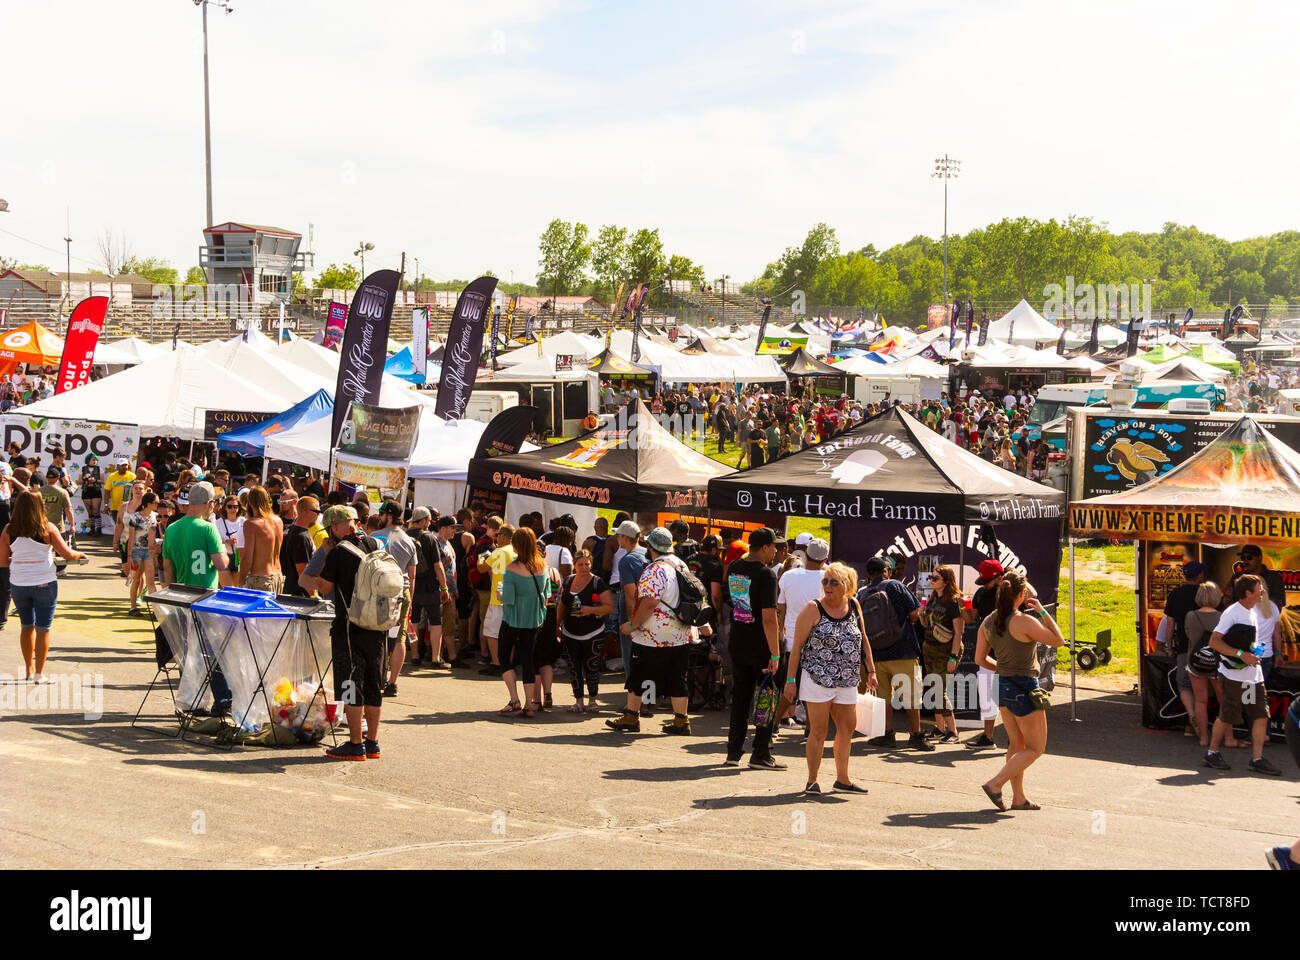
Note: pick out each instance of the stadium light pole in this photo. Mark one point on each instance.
(360, 251)
(945, 169)
(207, 109)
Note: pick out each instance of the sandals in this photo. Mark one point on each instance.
(576, 708)
(529, 711)
(995, 797)
(1027, 805)
(510, 709)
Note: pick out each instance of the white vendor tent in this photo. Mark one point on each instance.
(315, 359)
(564, 343)
(127, 352)
(1024, 325)
(165, 396)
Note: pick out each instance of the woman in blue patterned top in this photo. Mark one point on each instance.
(830, 645)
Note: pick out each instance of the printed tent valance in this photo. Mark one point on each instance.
(1244, 486)
(889, 467)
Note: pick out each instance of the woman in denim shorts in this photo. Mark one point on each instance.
(28, 545)
(1008, 644)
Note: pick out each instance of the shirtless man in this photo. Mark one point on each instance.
(259, 565)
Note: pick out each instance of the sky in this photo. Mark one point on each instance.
(455, 130)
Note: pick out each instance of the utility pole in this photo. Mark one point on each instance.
(945, 169)
(207, 107)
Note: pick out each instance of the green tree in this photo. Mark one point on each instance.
(339, 278)
(684, 268)
(645, 257)
(196, 275)
(565, 251)
(609, 259)
(153, 269)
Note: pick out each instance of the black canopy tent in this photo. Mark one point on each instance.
(630, 462)
(610, 365)
(801, 363)
(891, 485)
(889, 467)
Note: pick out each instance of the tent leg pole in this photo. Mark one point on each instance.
(1074, 663)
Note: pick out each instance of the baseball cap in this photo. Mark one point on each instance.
(54, 472)
(1193, 569)
(420, 513)
(392, 508)
(339, 513)
(201, 493)
(122, 462)
(446, 521)
(628, 528)
(1250, 550)
(989, 570)
(712, 541)
(818, 549)
(803, 539)
(659, 540)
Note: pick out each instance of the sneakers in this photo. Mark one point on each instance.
(347, 751)
(949, 737)
(372, 749)
(917, 741)
(1215, 759)
(812, 790)
(765, 763)
(1279, 858)
(1263, 766)
(390, 690)
(887, 740)
(934, 733)
(849, 787)
(679, 726)
(731, 762)
(627, 723)
(980, 742)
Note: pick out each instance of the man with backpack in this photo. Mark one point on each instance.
(888, 612)
(366, 586)
(661, 632)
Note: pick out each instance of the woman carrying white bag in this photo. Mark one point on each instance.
(831, 645)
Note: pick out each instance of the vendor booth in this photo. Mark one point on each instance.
(630, 462)
(32, 343)
(893, 486)
(821, 376)
(1242, 488)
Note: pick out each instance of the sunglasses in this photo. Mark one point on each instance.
(830, 583)
(932, 578)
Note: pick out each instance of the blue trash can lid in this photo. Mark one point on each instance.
(245, 604)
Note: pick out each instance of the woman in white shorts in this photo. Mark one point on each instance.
(830, 644)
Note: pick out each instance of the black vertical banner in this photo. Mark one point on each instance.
(970, 320)
(464, 347)
(504, 435)
(1131, 345)
(1092, 337)
(762, 328)
(496, 326)
(636, 322)
(953, 317)
(1227, 324)
(1060, 345)
(365, 345)
(984, 327)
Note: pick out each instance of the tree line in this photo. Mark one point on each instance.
(1001, 263)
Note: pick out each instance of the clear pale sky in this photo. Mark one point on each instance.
(455, 130)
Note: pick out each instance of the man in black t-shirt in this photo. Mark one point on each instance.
(707, 566)
(358, 654)
(683, 546)
(754, 645)
(297, 547)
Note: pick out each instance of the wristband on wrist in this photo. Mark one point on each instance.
(789, 679)
(954, 659)
(776, 659)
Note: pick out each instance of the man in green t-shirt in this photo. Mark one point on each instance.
(58, 505)
(193, 553)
